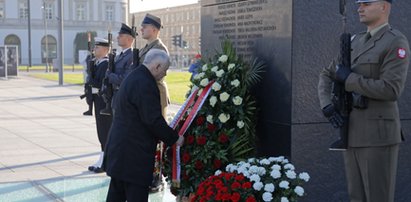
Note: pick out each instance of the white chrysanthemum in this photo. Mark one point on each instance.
(213, 100)
(261, 171)
(304, 176)
(240, 124)
(199, 92)
(299, 190)
(237, 100)
(275, 174)
(230, 168)
(289, 166)
(269, 187)
(265, 162)
(224, 117)
(199, 76)
(217, 172)
(223, 58)
(255, 178)
(267, 196)
(224, 96)
(253, 169)
(219, 73)
(204, 82)
(284, 184)
(214, 69)
(243, 170)
(251, 160)
(230, 66)
(210, 119)
(271, 159)
(235, 83)
(276, 167)
(258, 186)
(216, 86)
(291, 174)
(204, 68)
(284, 199)
(285, 161)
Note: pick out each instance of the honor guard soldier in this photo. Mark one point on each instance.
(103, 123)
(123, 61)
(150, 29)
(376, 79)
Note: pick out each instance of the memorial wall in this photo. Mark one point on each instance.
(296, 39)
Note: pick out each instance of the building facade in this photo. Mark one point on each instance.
(79, 16)
(183, 21)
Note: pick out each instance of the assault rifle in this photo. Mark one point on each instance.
(88, 94)
(342, 99)
(107, 88)
(136, 58)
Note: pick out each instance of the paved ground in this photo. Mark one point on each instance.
(43, 134)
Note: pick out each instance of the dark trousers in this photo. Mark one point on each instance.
(120, 191)
(103, 122)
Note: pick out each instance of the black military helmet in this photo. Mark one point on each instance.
(370, 1)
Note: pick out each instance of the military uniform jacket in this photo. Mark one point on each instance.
(136, 128)
(379, 70)
(162, 85)
(100, 72)
(122, 64)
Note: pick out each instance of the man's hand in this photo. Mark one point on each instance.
(333, 116)
(342, 73)
(180, 141)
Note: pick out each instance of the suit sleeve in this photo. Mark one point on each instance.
(393, 73)
(148, 103)
(327, 76)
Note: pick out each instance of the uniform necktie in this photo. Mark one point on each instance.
(367, 36)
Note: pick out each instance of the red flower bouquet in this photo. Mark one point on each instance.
(225, 187)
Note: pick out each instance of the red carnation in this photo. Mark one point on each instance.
(250, 199)
(200, 120)
(217, 163)
(239, 177)
(235, 197)
(199, 165)
(223, 138)
(201, 140)
(186, 157)
(247, 185)
(235, 185)
(211, 127)
(190, 139)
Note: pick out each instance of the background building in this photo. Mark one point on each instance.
(79, 16)
(181, 22)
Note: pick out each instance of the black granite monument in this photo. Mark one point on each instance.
(297, 38)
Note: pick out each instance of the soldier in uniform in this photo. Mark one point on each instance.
(380, 60)
(150, 29)
(123, 61)
(103, 123)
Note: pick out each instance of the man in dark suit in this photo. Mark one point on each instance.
(380, 60)
(137, 126)
(103, 123)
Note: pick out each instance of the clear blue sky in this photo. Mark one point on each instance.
(144, 5)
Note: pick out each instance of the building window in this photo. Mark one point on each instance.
(109, 12)
(23, 10)
(80, 11)
(48, 49)
(1, 9)
(48, 11)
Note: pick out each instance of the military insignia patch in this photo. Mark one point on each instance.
(401, 53)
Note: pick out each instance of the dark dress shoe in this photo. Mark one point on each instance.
(91, 168)
(98, 170)
(87, 113)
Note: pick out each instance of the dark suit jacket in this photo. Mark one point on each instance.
(122, 64)
(136, 128)
(99, 74)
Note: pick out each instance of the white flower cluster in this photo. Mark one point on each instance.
(271, 177)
